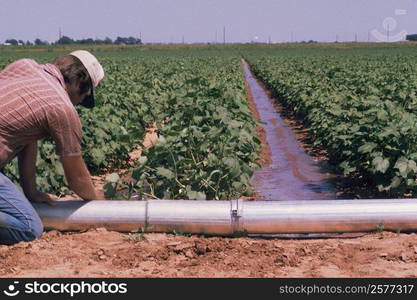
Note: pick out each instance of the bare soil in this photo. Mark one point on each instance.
(102, 253)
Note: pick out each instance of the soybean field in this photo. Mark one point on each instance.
(358, 102)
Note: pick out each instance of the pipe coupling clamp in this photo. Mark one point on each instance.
(236, 212)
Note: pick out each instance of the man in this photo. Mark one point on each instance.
(38, 101)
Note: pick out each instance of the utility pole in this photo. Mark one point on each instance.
(356, 37)
(224, 35)
(269, 39)
(60, 33)
(183, 39)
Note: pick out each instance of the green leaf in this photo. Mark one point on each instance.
(161, 140)
(412, 165)
(194, 195)
(347, 168)
(402, 166)
(367, 147)
(380, 164)
(59, 169)
(114, 178)
(97, 156)
(405, 166)
(166, 173)
(142, 160)
(109, 190)
(396, 181)
(136, 173)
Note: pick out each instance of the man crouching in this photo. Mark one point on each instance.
(37, 101)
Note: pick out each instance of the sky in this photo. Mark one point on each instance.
(193, 21)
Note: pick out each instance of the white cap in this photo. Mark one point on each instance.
(90, 62)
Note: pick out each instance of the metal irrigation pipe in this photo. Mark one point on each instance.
(233, 217)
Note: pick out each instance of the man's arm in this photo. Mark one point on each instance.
(27, 172)
(79, 179)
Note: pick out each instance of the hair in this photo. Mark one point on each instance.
(73, 70)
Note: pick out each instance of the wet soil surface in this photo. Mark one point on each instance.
(102, 253)
(292, 174)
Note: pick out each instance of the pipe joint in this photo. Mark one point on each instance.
(236, 213)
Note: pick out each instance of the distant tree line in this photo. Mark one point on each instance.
(65, 40)
(411, 37)
(17, 42)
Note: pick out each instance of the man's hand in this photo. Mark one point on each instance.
(40, 197)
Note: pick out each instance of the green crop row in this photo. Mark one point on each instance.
(360, 106)
(207, 140)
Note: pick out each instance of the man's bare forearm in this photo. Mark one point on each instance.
(78, 177)
(84, 188)
(27, 168)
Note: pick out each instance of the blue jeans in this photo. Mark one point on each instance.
(18, 219)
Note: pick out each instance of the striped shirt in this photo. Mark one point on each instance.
(33, 105)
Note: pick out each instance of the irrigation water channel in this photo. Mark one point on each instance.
(292, 173)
